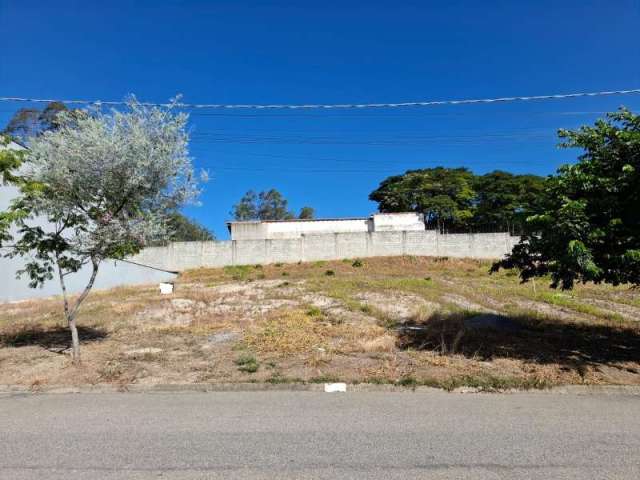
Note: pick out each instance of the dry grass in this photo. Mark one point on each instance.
(282, 323)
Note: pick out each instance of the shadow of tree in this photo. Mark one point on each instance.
(57, 339)
(541, 341)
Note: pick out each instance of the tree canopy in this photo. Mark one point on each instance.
(185, 229)
(587, 226)
(30, 122)
(266, 205)
(103, 183)
(455, 199)
(503, 200)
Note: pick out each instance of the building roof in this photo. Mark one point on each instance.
(235, 222)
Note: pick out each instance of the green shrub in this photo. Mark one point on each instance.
(247, 362)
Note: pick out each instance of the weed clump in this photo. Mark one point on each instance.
(357, 263)
(329, 273)
(247, 363)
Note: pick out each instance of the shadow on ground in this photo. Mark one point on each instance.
(540, 341)
(54, 339)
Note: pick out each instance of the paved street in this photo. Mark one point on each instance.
(301, 435)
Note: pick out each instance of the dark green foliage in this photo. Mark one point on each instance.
(587, 227)
(306, 213)
(266, 205)
(329, 273)
(272, 206)
(184, 229)
(29, 122)
(454, 199)
(246, 208)
(357, 263)
(503, 201)
(443, 195)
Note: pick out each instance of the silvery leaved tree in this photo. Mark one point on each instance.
(98, 187)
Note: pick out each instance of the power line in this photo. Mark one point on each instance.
(427, 103)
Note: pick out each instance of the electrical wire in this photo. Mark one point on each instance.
(427, 103)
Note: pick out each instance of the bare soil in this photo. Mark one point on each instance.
(401, 320)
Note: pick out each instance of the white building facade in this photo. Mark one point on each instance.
(276, 229)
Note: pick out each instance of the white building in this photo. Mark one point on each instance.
(272, 229)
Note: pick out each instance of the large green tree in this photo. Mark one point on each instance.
(444, 195)
(503, 200)
(587, 228)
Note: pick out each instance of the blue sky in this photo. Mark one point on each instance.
(333, 52)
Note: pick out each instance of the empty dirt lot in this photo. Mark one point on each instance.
(403, 320)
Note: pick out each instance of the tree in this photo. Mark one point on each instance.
(273, 206)
(444, 195)
(30, 122)
(184, 229)
(266, 205)
(587, 228)
(246, 208)
(103, 182)
(503, 200)
(306, 213)
(25, 123)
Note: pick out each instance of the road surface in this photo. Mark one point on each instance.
(305, 435)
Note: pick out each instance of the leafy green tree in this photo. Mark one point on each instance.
(306, 213)
(444, 195)
(266, 205)
(184, 229)
(588, 226)
(273, 206)
(503, 200)
(246, 208)
(103, 182)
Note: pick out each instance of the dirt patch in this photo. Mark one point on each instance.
(398, 306)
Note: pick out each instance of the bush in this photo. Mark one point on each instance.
(329, 273)
(247, 362)
(357, 263)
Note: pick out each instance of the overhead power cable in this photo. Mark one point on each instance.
(427, 103)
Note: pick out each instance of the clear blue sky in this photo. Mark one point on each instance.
(333, 52)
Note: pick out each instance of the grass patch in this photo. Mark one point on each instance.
(247, 362)
(238, 272)
(568, 301)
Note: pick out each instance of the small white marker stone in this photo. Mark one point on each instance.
(166, 288)
(335, 387)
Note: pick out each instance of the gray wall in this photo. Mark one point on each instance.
(111, 274)
(335, 246)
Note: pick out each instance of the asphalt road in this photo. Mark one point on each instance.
(303, 435)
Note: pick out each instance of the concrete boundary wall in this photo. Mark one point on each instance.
(335, 246)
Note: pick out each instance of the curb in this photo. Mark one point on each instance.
(305, 387)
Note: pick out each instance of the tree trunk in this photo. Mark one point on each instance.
(70, 314)
(75, 341)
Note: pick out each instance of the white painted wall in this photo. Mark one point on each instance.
(397, 222)
(379, 222)
(314, 227)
